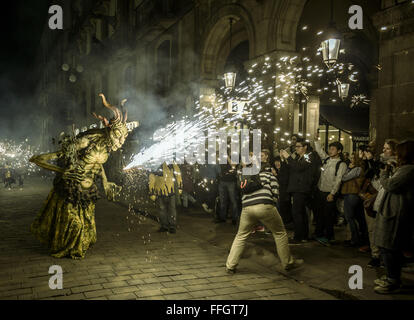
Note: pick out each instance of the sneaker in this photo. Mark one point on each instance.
(382, 281)
(162, 229)
(323, 241)
(230, 271)
(374, 263)
(206, 208)
(296, 264)
(388, 287)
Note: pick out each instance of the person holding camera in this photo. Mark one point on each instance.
(394, 226)
(299, 187)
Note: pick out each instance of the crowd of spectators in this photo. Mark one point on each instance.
(307, 189)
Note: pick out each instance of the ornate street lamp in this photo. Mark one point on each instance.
(230, 74)
(230, 79)
(343, 90)
(330, 47)
(330, 51)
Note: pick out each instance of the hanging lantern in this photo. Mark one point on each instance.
(230, 74)
(343, 90)
(230, 79)
(330, 47)
(330, 51)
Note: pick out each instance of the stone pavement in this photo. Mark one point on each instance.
(129, 261)
(325, 268)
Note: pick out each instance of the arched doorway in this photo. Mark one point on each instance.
(215, 45)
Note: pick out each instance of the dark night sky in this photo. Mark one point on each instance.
(22, 26)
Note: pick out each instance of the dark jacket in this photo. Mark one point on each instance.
(300, 175)
(395, 218)
(316, 164)
(187, 174)
(228, 173)
(371, 168)
(283, 179)
(283, 176)
(208, 171)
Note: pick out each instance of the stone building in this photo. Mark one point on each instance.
(164, 54)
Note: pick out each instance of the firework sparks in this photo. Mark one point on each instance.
(17, 155)
(358, 100)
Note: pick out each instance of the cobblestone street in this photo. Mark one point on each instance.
(129, 261)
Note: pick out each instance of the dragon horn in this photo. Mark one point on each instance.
(103, 119)
(115, 110)
(125, 116)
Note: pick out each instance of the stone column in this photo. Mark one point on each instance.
(392, 114)
(312, 118)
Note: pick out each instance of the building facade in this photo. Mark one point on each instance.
(164, 54)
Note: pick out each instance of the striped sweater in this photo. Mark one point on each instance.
(267, 195)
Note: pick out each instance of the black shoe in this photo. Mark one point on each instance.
(219, 221)
(234, 222)
(172, 230)
(387, 286)
(296, 264)
(162, 229)
(374, 263)
(230, 271)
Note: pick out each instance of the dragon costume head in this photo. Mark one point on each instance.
(118, 130)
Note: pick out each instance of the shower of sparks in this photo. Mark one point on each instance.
(292, 78)
(17, 155)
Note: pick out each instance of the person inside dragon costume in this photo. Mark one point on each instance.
(66, 222)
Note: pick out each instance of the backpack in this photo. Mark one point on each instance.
(337, 165)
(250, 184)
